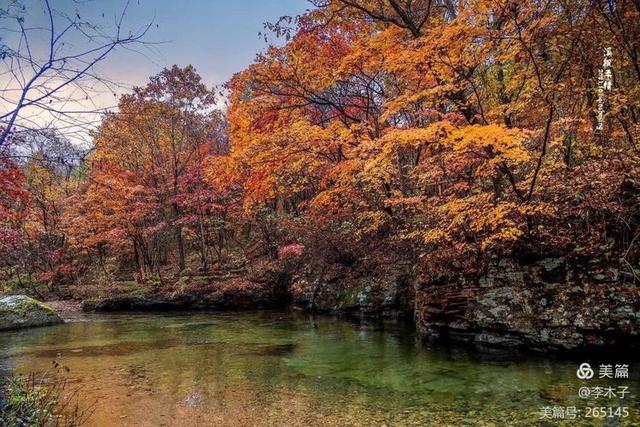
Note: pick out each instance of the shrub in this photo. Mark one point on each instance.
(39, 401)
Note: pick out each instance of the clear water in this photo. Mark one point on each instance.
(288, 369)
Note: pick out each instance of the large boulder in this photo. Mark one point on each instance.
(20, 311)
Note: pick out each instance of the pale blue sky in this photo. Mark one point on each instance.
(218, 37)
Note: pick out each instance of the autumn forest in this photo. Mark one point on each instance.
(436, 134)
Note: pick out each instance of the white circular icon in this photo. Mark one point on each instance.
(584, 372)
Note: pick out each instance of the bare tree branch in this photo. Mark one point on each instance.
(62, 75)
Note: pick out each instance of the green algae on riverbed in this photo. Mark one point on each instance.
(284, 369)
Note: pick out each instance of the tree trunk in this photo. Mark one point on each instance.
(203, 246)
(180, 247)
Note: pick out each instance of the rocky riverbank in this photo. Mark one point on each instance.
(195, 293)
(542, 306)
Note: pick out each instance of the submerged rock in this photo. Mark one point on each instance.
(20, 311)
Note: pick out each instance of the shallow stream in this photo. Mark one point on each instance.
(280, 368)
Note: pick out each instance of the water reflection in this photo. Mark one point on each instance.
(286, 369)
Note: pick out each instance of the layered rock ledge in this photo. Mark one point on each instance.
(543, 306)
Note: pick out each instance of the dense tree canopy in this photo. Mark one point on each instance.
(442, 133)
(468, 128)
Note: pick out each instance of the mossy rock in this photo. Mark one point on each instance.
(368, 295)
(20, 311)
